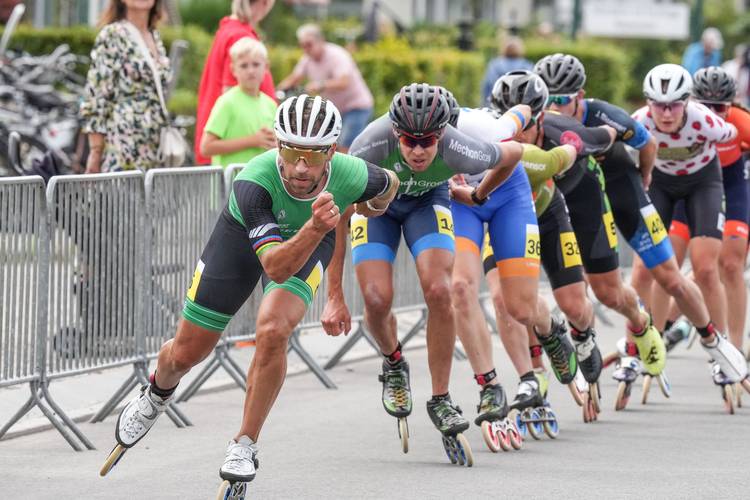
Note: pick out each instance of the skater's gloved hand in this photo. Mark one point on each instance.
(336, 318)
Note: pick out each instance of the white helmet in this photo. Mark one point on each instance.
(307, 121)
(667, 83)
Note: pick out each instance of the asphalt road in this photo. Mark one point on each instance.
(340, 444)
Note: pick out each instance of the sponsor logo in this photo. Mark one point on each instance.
(281, 215)
(397, 167)
(612, 123)
(261, 230)
(466, 151)
(570, 137)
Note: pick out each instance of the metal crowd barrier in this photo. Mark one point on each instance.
(24, 275)
(93, 276)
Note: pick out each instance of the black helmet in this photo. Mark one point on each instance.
(419, 109)
(452, 104)
(519, 87)
(713, 84)
(563, 73)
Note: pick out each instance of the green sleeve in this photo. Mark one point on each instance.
(220, 118)
(352, 179)
(541, 165)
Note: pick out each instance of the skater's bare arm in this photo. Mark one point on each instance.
(282, 261)
(336, 318)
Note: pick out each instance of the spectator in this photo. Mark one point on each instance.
(511, 60)
(332, 73)
(738, 69)
(705, 53)
(121, 111)
(217, 75)
(240, 126)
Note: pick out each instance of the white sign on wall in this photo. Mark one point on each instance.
(636, 19)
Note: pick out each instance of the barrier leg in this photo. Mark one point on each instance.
(353, 339)
(294, 345)
(30, 403)
(199, 380)
(421, 323)
(240, 380)
(130, 383)
(64, 417)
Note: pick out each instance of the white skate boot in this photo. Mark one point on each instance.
(728, 357)
(138, 416)
(241, 461)
(135, 420)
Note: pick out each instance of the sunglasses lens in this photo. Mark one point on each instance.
(560, 100)
(413, 142)
(292, 155)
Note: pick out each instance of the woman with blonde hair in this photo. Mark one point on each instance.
(121, 109)
(217, 73)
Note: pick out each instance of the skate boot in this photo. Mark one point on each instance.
(729, 358)
(498, 431)
(134, 422)
(627, 370)
(588, 355)
(560, 352)
(590, 368)
(397, 396)
(531, 411)
(651, 348)
(240, 465)
(448, 419)
(678, 332)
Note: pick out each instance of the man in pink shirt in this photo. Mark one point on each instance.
(332, 73)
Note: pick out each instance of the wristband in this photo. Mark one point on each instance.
(521, 119)
(476, 199)
(375, 209)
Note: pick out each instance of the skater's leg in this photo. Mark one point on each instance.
(732, 262)
(435, 267)
(280, 312)
(512, 333)
(376, 282)
(471, 325)
(191, 345)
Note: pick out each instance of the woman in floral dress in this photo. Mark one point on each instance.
(121, 110)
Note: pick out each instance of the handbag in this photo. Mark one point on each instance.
(172, 145)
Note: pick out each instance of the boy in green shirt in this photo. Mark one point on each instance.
(240, 126)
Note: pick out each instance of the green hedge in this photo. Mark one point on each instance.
(389, 64)
(386, 65)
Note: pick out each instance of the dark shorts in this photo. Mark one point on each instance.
(229, 270)
(734, 179)
(702, 194)
(593, 222)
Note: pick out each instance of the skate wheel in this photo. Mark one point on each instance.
(646, 387)
(575, 393)
(534, 425)
(551, 428)
(622, 396)
(466, 457)
(595, 397)
(403, 433)
(610, 358)
(503, 436)
(728, 394)
(515, 416)
(232, 490)
(114, 456)
(738, 395)
(491, 438)
(516, 441)
(450, 450)
(664, 385)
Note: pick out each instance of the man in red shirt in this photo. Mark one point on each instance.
(217, 75)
